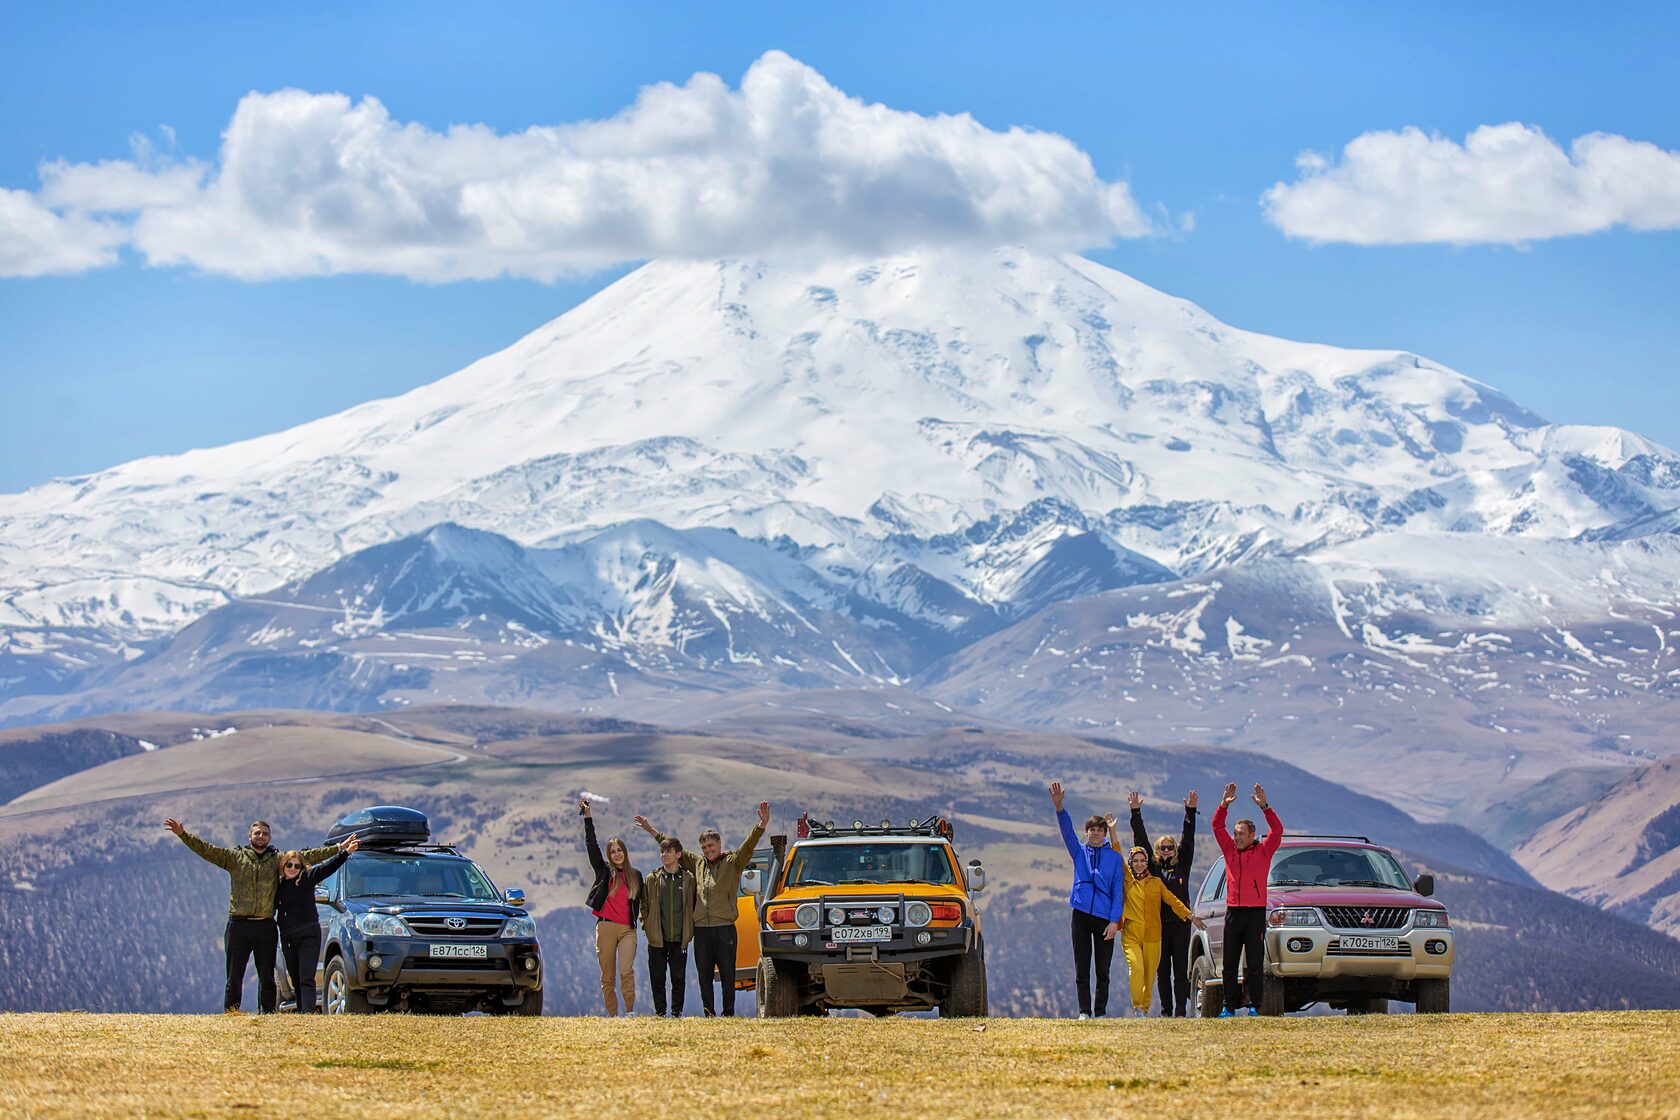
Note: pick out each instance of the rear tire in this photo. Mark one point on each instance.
(531, 1004)
(967, 995)
(778, 995)
(1204, 997)
(338, 995)
(1272, 998)
(1371, 1005)
(1434, 997)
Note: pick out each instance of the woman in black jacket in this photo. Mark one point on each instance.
(614, 899)
(300, 928)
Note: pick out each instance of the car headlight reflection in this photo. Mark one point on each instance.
(519, 926)
(382, 925)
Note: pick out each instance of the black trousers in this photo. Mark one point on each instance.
(301, 949)
(669, 961)
(714, 949)
(1172, 979)
(248, 938)
(1088, 945)
(1245, 936)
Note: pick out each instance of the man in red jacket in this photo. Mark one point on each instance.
(1247, 867)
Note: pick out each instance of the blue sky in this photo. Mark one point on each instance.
(1197, 113)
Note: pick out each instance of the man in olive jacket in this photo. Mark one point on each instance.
(253, 880)
(717, 882)
(668, 895)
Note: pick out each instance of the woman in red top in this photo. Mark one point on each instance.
(613, 901)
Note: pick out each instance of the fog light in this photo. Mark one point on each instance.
(1299, 944)
(1435, 948)
(375, 961)
(530, 964)
(924, 938)
(801, 939)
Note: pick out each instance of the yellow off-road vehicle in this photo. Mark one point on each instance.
(880, 918)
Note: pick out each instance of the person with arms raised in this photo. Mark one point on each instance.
(1097, 901)
(1248, 866)
(300, 926)
(1170, 861)
(668, 921)
(614, 900)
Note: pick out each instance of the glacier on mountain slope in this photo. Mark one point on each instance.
(954, 439)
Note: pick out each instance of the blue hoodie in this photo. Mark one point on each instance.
(1099, 887)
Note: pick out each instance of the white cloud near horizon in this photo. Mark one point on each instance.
(313, 184)
(1506, 184)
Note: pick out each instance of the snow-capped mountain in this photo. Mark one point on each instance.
(901, 455)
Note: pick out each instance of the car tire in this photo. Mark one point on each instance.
(1204, 996)
(338, 995)
(1434, 997)
(967, 995)
(778, 994)
(1272, 1001)
(1370, 1005)
(530, 1005)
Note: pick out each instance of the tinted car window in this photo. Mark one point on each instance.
(1337, 867)
(1213, 887)
(382, 875)
(832, 864)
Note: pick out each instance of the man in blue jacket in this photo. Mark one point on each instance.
(1098, 899)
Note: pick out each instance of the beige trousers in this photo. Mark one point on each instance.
(615, 950)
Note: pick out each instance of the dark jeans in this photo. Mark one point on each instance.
(248, 938)
(1089, 943)
(714, 948)
(668, 960)
(1245, 935)
(301, 949)
(1173, 977)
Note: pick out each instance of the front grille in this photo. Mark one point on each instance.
(1335, 950)
(1366, 917)
(438, 925)
(862, 913)
(456, 964)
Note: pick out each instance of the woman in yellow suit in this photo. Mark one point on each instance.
(1140, 928)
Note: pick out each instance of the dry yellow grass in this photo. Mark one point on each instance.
(1486, 1066)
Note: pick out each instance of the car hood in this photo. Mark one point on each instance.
(936, 891)
(1348, 896)
(405, 904)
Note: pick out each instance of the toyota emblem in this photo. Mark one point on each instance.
(461, 923)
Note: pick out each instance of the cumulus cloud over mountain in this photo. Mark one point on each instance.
(311, 183)
(1506, 183)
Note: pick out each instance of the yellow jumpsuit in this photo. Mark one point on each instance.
(1141, 937)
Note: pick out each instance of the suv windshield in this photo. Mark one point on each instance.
(390, 875)
(1337, 867)
(832, 864)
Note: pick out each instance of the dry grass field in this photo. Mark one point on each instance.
(1611, 1064)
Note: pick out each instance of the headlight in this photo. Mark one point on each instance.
(808, 916)
(918, 914)
(1293, 916)
(519, 927)
(1430, 919)
(836, 916)
(884, 915)
(383, 925)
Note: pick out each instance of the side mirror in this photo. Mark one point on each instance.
(322, 897)
(752, 881)
(515, 897)
(1424, 885)
(976, 877)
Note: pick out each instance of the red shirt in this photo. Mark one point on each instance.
(1246, 870)
(617, 906)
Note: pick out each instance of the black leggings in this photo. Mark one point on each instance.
(1175, 966)
(302, 950)
(248, 938)
(1088, 944)
(714, 947)
(1245, 935)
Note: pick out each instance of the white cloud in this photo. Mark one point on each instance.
(37, 241)
(315, 183)
(1506, 183)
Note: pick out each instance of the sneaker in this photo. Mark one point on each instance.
(1084, 1014)
(1253, 1012)
(1227, 1013)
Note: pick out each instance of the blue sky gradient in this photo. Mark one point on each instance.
(1200, 112)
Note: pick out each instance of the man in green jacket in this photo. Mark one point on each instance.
(717, 882)
(253, 878)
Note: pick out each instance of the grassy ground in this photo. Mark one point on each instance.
(1485, 1066)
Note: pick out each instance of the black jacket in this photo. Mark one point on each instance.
(294, 902)
(597, 896)
(1177, 877)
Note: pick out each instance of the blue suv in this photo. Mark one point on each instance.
(414, 926)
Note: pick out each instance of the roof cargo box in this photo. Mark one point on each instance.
(382, 826)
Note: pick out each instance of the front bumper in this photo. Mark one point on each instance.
(407, 963)
(1324, 957)
(904, 946)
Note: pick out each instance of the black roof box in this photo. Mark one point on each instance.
(382, 826)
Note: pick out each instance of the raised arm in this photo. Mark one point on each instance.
(592, 847)
(317, 855)
(1140, 834)
(744, 853)
(1187, 839)
(211, 853)
(318, 873)
(1220, 835)
(1274, 827)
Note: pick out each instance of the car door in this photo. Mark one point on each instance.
(324, 914)
(746, 925)
(1210, 907)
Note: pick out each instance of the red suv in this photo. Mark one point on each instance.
(1344, 928)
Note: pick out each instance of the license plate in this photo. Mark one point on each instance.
(469, 952)
(1377, 944)
(862, 933)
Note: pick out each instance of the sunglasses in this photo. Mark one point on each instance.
(289, 866)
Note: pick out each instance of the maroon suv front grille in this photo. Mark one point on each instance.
(1367, 917)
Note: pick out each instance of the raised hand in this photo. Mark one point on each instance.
(1134, 800)
(1260, 795)
(1111, 819)
(1056, 795)
(350, 845)
(583, 807)
(1190, 802)
(1230, 793)
(764, 814)
(174, 826)
(645, 825)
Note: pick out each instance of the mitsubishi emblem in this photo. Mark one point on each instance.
(1368, 919)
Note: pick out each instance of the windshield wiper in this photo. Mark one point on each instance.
(376, 894)
(448, 894)
(1289, 883)
(813, 883)
(858, 882)
(1363, 883)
